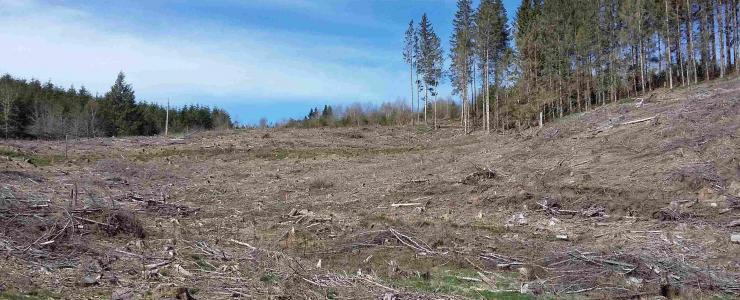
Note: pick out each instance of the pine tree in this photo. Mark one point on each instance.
(437, 64)
(486, 36)
(408, 57)
(501, 42)
(668, 45)
(690, 35)
(460, 54)
(426, 60)
(721, 34)
(125, 116)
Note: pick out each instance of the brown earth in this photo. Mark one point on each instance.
(591, 206)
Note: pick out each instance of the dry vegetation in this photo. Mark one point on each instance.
(592, 206)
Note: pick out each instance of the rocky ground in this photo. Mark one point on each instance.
(638, 199)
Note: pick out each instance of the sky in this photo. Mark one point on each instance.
(254, 58)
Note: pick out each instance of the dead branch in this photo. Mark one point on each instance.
(243, 244)
(638, 120)
(405, 204)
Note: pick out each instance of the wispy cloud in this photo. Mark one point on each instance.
(71, 46)
(340, 12)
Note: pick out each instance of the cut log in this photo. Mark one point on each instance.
(243, 244)
(405, 204)
(638, 120)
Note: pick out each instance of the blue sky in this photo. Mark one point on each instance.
(256, 58)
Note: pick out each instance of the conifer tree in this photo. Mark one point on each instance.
(123, 104)
(460, 54)
(427, 59)
(408, 57)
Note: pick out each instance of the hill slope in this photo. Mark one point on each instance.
(627, 200)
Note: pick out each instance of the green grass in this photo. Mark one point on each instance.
(451, 283)
(36, 160)
(34, 295)
(202, 263)
(270, 277)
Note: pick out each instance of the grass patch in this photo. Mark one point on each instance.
(34, 159)
(453, 283)
(270, 277)
(34, 295)
(202, 263)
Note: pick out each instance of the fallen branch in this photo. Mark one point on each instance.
(405, 204)
(92, 221)
(157, 265)
(411, 243)
(626, 267)
(639, 120)
(378, 284)
(468, 278)
(243, 244)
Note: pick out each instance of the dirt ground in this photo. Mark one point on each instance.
(631, 200)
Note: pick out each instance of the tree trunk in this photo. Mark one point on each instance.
(472, 102)
(721, 33)
(418, 99)
(588, 85)
(728, 35)
(690, 34)
(426, 103)
(705, 39)
(435, 108)
(463, 108)
(540, 122)
(714, 46)
(679, 55)
(411, 78)
(488, 95)
(634, 74)
(167, 120)
(578, 90)
(668, 48)
(641, 51)
(736, 26)
(560, 94)
(497, 91)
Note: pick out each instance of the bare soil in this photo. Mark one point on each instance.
(594, 205)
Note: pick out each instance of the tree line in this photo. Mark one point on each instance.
(30, 109)
(565, 56)
(386, 114)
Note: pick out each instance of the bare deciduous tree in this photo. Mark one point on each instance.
(8, 96)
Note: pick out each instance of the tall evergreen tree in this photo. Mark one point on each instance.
(426, 60)
(408, 57)
(486, 36)
(122, 103)
(435, 75)
(461, 53)
(501, 42)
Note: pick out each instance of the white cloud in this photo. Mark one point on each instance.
(70, 47)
